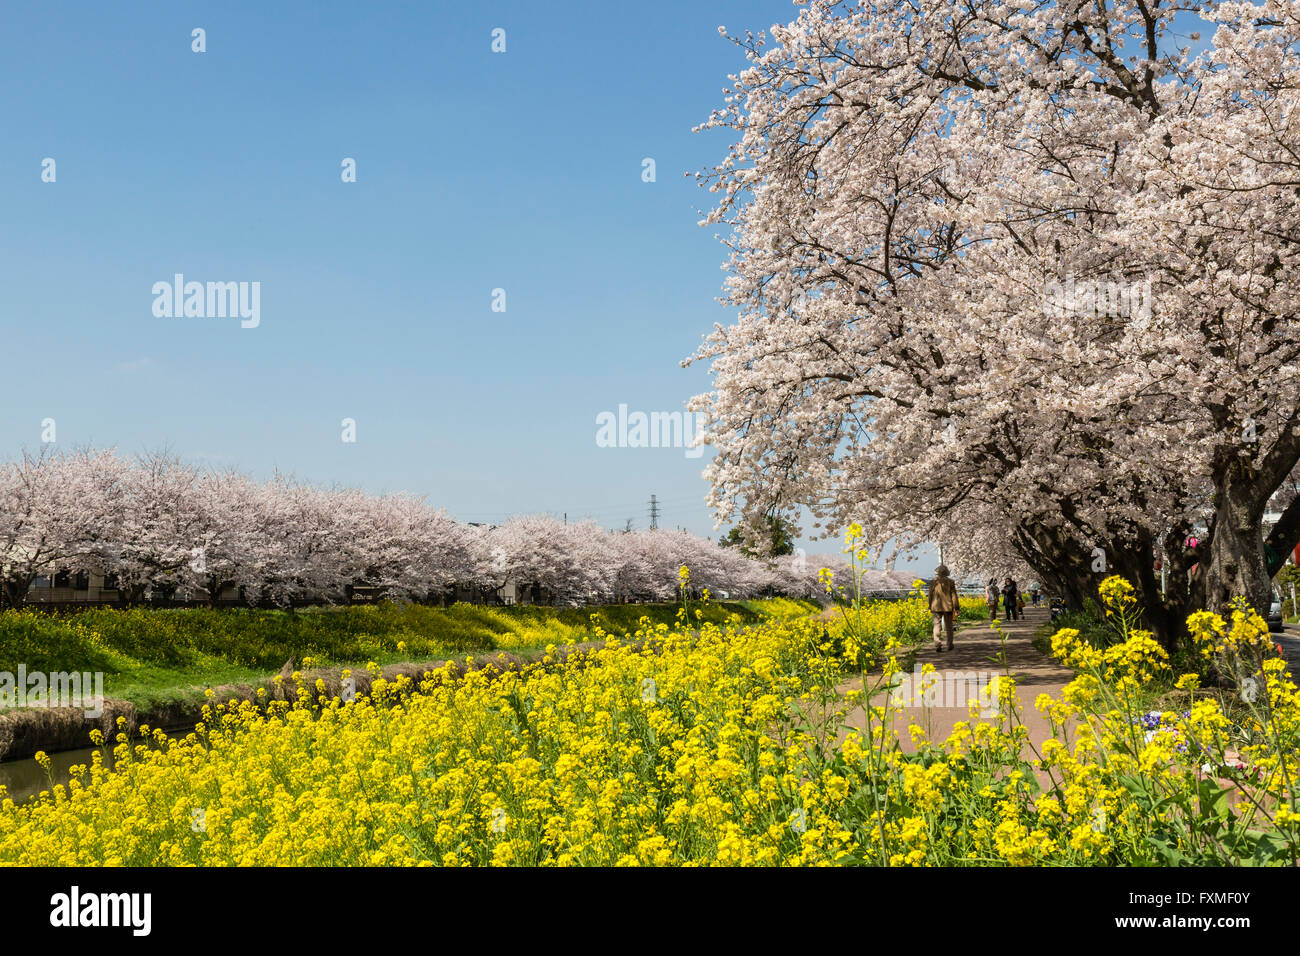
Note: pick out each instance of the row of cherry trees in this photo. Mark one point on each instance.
(159, 526)
(1019, 277)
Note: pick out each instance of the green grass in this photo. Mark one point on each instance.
(152, 657)
(150, 687)
(1092, 627)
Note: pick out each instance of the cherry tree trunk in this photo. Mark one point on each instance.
(15, 592)
(1236, 565)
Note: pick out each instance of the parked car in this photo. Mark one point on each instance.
(1275, 614)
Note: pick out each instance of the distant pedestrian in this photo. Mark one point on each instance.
(1033, 593)
(991, 594)
(1009, 599)
(943, 605)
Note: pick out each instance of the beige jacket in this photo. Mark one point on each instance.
(943, 596)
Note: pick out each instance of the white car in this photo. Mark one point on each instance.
(1275, 613)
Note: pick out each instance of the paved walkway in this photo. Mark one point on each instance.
(974, 658)
(974, 655)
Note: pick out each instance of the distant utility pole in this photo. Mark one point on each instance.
(566, 517)
(654, 513)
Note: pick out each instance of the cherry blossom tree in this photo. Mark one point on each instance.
(536, 552)
(58, 512)
(168, 530)
(412, 551)
(1013, 276)
(307, 541)
(231, 550)
(160, 528)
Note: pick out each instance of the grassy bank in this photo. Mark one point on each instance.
(153, 656)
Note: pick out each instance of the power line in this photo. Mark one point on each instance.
(612, 509)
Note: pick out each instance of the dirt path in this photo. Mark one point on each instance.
(964, 671)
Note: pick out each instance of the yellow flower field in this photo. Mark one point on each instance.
(722, 745)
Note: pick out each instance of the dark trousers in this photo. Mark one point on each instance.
(1011, 603)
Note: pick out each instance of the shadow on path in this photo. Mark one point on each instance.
(969, 669)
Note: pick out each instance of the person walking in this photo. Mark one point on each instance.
(1009, 599)
(1033, 593)
(991, 593)
(943, 606)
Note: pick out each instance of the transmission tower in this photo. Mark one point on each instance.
(654, 513)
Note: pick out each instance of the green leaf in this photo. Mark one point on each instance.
(1211, 798)
(1268, 848)
(1167, 852)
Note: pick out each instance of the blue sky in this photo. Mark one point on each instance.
(475, 171)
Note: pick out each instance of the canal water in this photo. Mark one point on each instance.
(24, 779)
